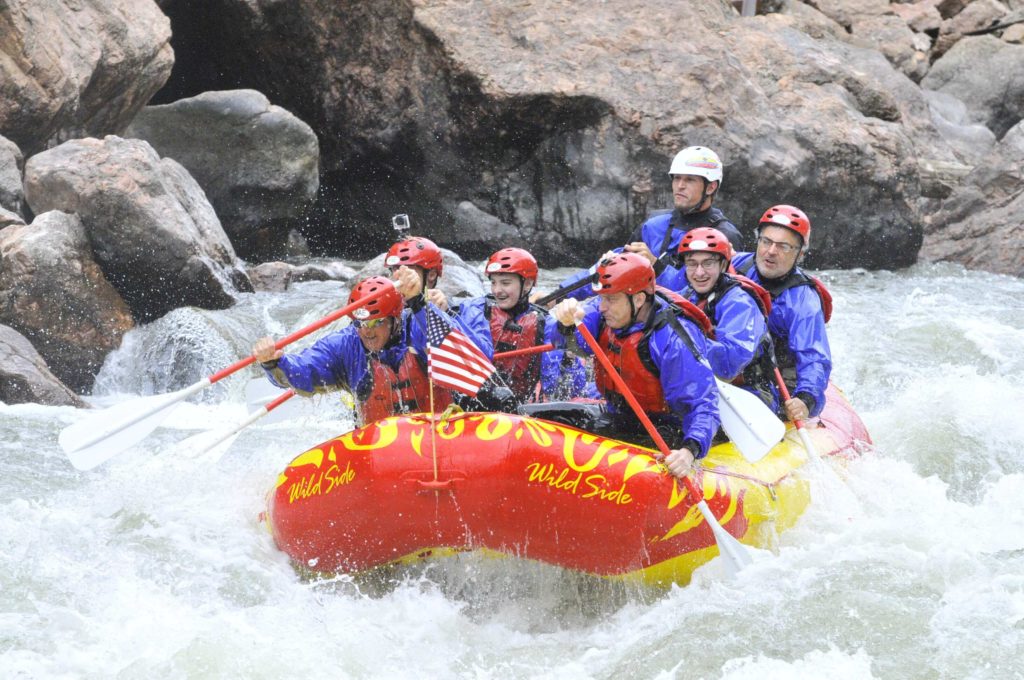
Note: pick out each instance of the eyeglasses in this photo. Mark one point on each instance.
(767, 243)
(709, 265)
(369, 324)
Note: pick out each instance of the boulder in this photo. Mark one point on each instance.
(71, 69)
(470, 112)
(987, 74)
(980, 225)
(53, 292)
(151, 228)
(12, 196)
(257, 163)
(24, 376)
(279, 276)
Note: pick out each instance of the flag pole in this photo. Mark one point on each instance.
(433, 425)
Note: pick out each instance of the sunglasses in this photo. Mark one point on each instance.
(369, 324)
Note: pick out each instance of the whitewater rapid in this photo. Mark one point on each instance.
(154, 565)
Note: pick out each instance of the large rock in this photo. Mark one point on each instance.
(552, 121)
(152, 230)
(980, 226)
(70, 68)
(986, 74)
(24, 376)
(12, 196)
(257, 163)
(53, 292)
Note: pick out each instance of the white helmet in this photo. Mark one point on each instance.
(697, 160)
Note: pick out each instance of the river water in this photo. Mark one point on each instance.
(154, 566)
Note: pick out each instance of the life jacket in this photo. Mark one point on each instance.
(521, 373)
(406, 390)
(792, 280)
(631, 355)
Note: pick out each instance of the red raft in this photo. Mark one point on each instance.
(405, 488)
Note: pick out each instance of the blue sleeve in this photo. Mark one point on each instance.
(797, 318)
(739, 328)
(474, 323)
(337, 360)
(562, 375)
(688, 383)
(672, 278)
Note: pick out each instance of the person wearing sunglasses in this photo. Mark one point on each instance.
(740, 352)
(380, 357)
(801, 306)
(696, 176)
(659, 349)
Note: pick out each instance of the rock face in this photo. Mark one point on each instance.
(986, 74)
(24, 376)
(72, 69)
(257, 163)
(53, 292)
(982, 224)
(561, 124)
(150, 226)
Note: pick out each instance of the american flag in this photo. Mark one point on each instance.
(452, 359)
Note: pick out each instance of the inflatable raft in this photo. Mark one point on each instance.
(406, 488)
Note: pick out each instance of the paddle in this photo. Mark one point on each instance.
(536, 349)
(748, 422)
(560, 293)
(199, 444)
(732, 551)
(100, 436)
(805, 439)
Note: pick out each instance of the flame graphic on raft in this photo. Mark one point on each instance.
(577, 448)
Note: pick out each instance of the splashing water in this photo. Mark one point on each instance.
(155, 567)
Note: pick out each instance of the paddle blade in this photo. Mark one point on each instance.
(751, 425)
(734, 554)
(100, 436)
(259, 392)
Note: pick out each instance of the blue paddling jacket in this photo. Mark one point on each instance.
(797, 326)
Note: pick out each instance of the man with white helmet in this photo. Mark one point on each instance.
(696, 174)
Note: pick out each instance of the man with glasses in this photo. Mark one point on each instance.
(800, 307)
(740, 351)
(380, 357)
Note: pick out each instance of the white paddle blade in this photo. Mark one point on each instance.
(100, 436)
(751, 425)
(734, 554)
(259, 392)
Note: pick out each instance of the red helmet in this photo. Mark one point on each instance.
(512, 261)
(789, 217)
(706, 239)
(390, 303)
(624, 273)
(418, 251)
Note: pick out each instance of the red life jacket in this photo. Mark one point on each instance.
(624, 354)
(631, 355)
(406, 390)
(521, 373)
